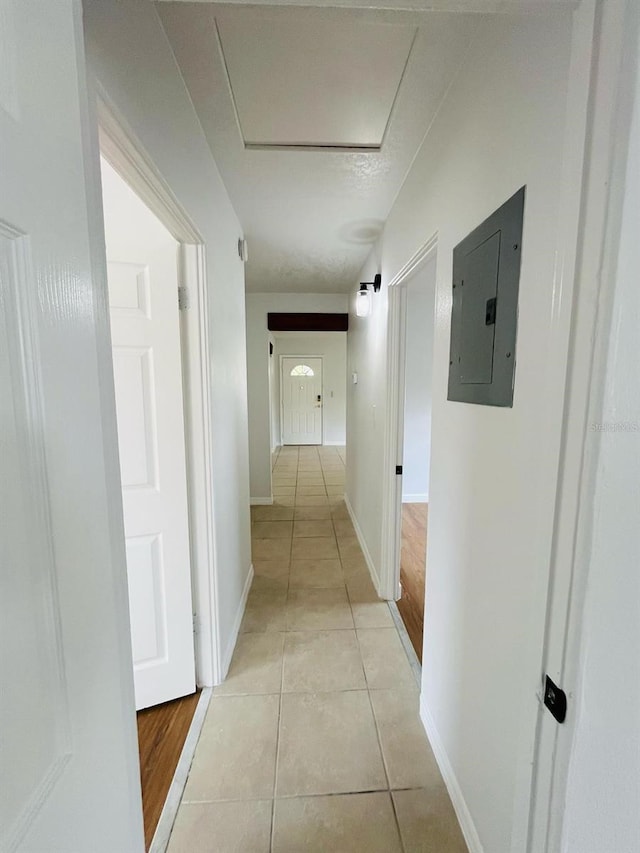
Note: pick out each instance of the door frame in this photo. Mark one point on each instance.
(281, 358)
(394, 417)
(120, 147)
(604, 123)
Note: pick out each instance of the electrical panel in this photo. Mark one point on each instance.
(484, 314)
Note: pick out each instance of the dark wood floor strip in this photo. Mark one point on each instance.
(413, 559)
(162, 731)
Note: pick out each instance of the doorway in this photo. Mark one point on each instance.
(301, 399)
(415, 436)
(408, 451)
(142, 277)
(143, 260)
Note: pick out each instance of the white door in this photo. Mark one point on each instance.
(301, 400)
(70, 779)
(142, 273)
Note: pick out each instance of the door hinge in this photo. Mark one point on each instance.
(183, 299)
(398, 469)
(555, 699)
(195, 623)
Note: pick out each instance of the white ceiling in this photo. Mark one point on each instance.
(314, 116)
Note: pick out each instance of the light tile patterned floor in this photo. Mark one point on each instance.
(314, 743)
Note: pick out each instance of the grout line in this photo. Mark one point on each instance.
(304, 796)
(275, 769)
(384, 761)
(220, 697)
(384, 764)
(397, 819)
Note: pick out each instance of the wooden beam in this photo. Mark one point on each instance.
(308, 322)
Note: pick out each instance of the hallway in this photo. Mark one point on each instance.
(313, 743)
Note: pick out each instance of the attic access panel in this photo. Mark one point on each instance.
(484, 314)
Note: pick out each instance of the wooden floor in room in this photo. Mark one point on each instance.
(413, 558)
(162, 731)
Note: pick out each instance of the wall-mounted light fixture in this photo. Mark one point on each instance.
(363, 299)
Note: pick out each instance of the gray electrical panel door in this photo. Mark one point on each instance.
(486, 274)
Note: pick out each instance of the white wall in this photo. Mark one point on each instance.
(492, 479)
(601, 812)
(257, 336)
(416, 451)
(129, 54)
(332, 346)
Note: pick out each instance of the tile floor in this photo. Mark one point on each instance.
(313, 743)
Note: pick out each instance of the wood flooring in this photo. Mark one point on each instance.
(162, 731)
(413, 558)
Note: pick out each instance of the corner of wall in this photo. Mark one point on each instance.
(373, 571)
(235, 630)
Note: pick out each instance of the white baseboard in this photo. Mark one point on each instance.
(415, 499)
(363, 545)
(462, 812)
(261, 501)
(228, 652)
(334, 443)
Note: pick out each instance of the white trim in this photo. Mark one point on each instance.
(235, 630)
(415, 499)
(169, 812)
(415, 262)
(363, 545)
(455, 793)
(197, 403)
(394, 417)
(126, 154)
(334, 443)
(601, 31)
(121, 148)
(261, 501)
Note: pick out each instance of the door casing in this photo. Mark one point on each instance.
(126, 155)
(394, 424)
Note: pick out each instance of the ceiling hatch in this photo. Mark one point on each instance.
(318, 85)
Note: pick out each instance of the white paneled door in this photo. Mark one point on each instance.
(143, 301)
(301, 389)
(70, 778)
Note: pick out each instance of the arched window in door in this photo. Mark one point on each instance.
(301, 370)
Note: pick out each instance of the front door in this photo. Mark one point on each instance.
(142, 271)
(301, 386)
(70, 778)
